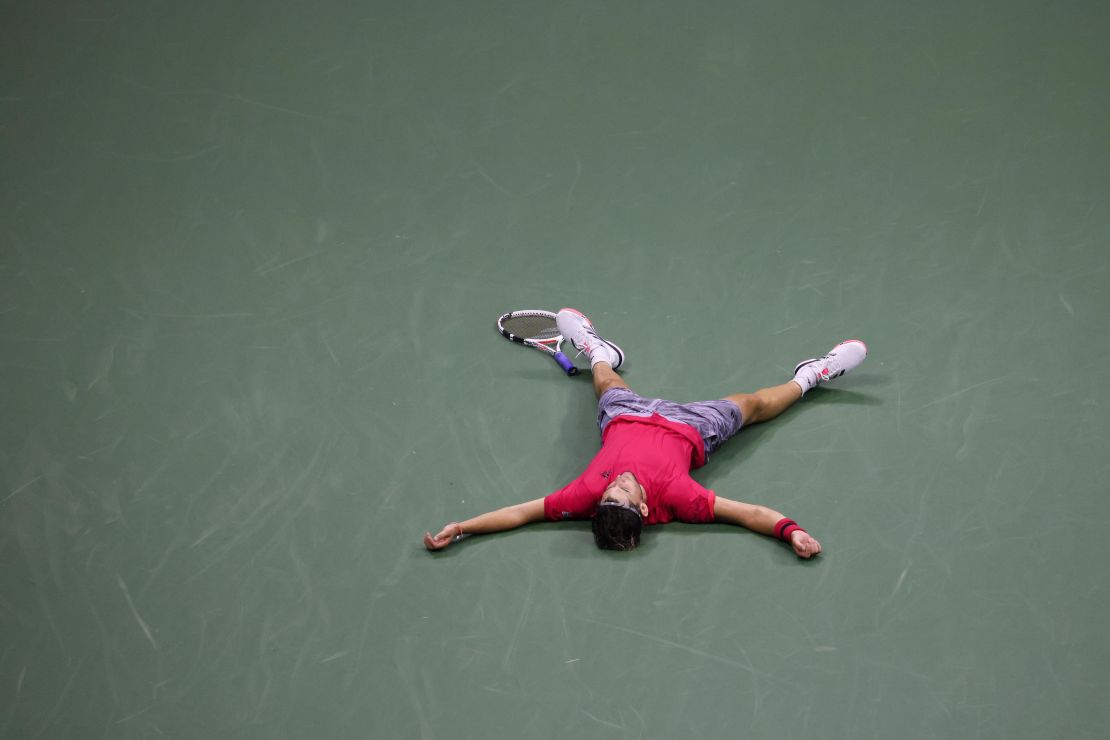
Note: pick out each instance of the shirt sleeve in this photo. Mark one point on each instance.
(689, 501)
(576, 500)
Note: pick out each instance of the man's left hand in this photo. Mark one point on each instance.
(446, 536)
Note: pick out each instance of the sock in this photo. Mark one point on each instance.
(806, 378)
(601, 354)
(604, 352)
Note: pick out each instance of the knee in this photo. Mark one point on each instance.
(608, 384)
(751, 407)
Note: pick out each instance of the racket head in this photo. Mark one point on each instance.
(529, 327)
(538, 329)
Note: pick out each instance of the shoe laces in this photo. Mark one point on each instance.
(831, 367)
(587, 346)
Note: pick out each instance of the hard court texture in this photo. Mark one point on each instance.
(250, 258)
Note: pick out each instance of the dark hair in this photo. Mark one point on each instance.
(617, 527)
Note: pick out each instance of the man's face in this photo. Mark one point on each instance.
(626, 491)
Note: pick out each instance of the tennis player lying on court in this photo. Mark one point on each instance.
(641, 475)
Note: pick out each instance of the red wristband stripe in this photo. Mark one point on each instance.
(785, 527)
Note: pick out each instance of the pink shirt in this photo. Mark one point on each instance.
(660, 453)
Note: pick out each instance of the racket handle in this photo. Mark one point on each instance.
(565, 363)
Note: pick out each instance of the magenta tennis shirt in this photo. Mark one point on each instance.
(660, 453)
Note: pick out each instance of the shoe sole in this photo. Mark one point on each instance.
(620, 354)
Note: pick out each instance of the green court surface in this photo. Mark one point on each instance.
(250, 259)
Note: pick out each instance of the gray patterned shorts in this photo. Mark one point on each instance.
(715, 421)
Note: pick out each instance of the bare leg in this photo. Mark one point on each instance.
(606, 377)
(766, 403)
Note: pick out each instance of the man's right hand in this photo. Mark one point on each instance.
(804, 545)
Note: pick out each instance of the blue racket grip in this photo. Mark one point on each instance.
(565, 363)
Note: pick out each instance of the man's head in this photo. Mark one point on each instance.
(620, 514)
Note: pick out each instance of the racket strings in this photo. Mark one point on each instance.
(540, 328)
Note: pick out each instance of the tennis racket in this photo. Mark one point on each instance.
(536, 329)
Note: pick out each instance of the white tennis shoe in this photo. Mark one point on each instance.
(579, 330)
(841, 359)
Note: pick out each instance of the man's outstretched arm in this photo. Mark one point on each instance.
(765, 521)
(509, 517)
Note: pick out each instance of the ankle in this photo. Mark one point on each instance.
(806, 379)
